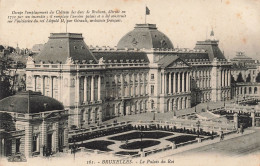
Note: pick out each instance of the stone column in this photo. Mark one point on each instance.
(174, 82)
(92, 88)
(253, 118)
(28, 140)
(60, 88)
(42, 86)
(34, 83)
(131, 85)
(223, 78)
(219, 78)
(144, 91)
(99, 88)
(139, 85)
(187, 81)
(162, 77)
(43, 136)
(85, 89)
(56, 137)
(229, 78)
(51, 86)
(122, 85)
(170, 83)
(165, 83)
(182, 90)
(134, 90)
(198, 80)
(179, 82)
(128, 85)
(236, 120)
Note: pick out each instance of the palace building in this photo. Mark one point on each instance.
(144, 73)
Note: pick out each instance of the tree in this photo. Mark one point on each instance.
(240, 78)
(6, 122)
(248, 79)
(1, 48)
(5, 85)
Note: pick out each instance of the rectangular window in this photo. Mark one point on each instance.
(18, 143)
(152, 76)
(152, 89)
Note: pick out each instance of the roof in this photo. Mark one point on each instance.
(241, 55)
(211, 46)
(62, 46)
(121, 56)
(166, 61)
(29, 102)
(144, 36)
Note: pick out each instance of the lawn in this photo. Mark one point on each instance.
(182, 138)
(139, 144)
(98, 145)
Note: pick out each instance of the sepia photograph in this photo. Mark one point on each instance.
(129, 82)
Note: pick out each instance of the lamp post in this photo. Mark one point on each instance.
(141, 137)
(74, 148)
(198, 125)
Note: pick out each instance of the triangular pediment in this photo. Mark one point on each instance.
(177, 63)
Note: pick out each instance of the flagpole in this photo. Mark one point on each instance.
(145, 19)
(145, 15)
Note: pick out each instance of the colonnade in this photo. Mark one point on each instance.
(47, 85)
(175, 82)
(225, 78)
(91, 88)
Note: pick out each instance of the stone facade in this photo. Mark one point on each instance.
(113, 82)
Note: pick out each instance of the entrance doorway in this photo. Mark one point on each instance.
(61, 139)
(49, 144)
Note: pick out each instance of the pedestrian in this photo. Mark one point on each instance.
(44, 150)
(222, 136)
(242, 129)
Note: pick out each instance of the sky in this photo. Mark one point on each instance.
(236, 23)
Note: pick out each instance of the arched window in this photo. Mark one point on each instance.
(255, 90)
(152, 104)
(250, 90)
